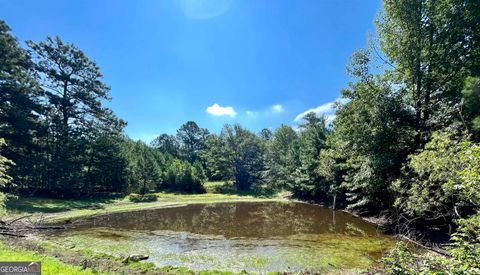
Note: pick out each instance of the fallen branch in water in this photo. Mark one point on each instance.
(15, 228)
(434, 249)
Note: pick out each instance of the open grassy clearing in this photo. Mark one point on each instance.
(58, 210)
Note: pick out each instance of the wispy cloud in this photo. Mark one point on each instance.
(277, 108)
(251, 113)
(327, 109)
(202, 9)
(266, 112)
(218, 110)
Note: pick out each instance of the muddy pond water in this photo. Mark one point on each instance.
(252, 236)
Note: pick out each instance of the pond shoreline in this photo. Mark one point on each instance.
(165, 201)
(207, 231)
(380, 220)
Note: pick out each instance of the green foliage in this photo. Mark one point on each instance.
(442, 180)
(373, 134)
(20, 108)
(192, 140)
(243, 153)
(5, 178)
(142, 198)
(280, 157)
(389, 139)
(266, 134)
(181, 176)
(5, 164)
(107, 165)
(237, 155)
(464, 249)
(167, 144)
(312, 139)
(145, 167)
(66, 118)
(471, 101)
(216, 160)
(433, 46)
(465, 246)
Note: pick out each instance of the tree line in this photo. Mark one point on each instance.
(59, 139)
(405, 135)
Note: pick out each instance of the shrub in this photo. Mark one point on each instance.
(142, 198)
(442, 180)
(464, 249)
(181, 176)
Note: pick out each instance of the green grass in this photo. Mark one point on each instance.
(212, 186)
(164, 200)
(50, 265)
(53, 266)
(22, 205)
(227, 187)
(58, 210)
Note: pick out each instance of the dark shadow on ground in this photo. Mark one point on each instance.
(50, 205)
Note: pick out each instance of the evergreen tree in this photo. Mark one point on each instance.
(280, 161)
(244, 154)
(75, 116)
(191, 139)
(167, 144)
(20, 110)
(313, 134)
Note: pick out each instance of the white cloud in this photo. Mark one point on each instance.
(327, 109)
(277, 108)
(218, 110)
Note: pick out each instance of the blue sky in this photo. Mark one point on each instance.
(258, 63)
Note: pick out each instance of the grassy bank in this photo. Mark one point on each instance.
(56, 259)
(58, 210)
(50, 265)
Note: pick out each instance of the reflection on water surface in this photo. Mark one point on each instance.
(259, 237)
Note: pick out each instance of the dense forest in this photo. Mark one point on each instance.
(405, 140)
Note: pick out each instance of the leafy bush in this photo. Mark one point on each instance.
(464, 249)
(142, 198)
(442, 180)
(4, 176)
(181, 176)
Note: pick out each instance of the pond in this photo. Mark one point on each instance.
(252, 236)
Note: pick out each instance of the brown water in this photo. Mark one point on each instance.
(252, 236)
